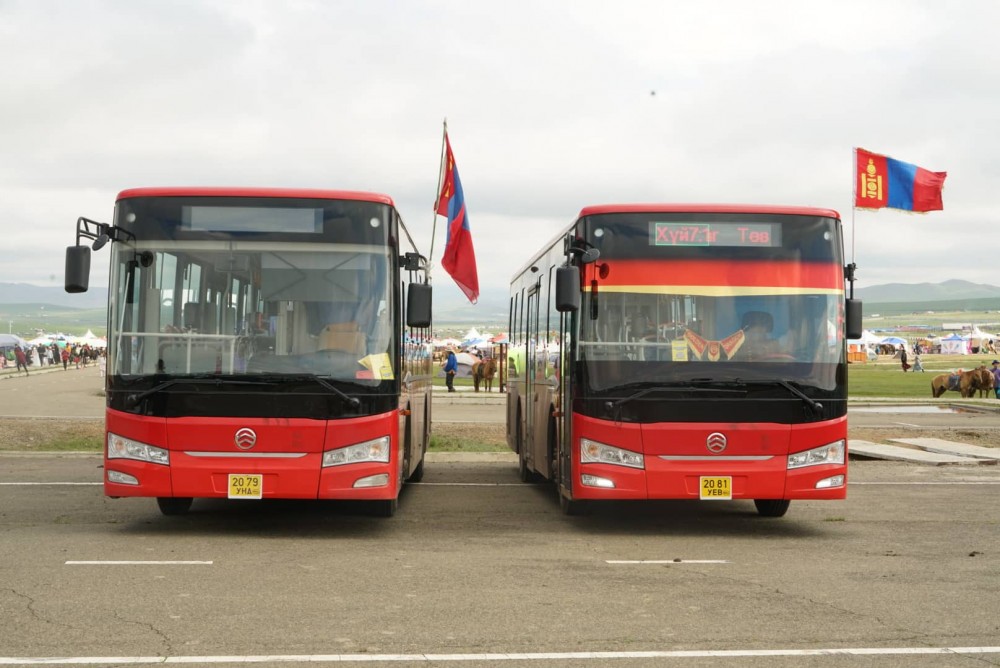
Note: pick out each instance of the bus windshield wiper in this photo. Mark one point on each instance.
(134, 399)
(353, 402)
(693, 385)
(816, 406)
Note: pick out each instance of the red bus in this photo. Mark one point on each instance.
(663, 351)
(262, 344)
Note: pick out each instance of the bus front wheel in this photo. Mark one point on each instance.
(772, 507)
(174, 505)
(572, 508)
(385, 508)
(418, 473)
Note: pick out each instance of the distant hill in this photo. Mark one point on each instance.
(488, 310)
(889, 297)
(25, 293)
(950, 291)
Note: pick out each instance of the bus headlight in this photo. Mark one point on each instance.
(120, 447)
(592, 452)
(831, 453)
(376, 450)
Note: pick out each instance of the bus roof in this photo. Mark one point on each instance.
(288, 193)
(707, 208)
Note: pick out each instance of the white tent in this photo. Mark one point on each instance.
(979, 339)
(90, 339)
(867, 339)
(465, 362)
(865, 346)
(11, 340)
(954, 345)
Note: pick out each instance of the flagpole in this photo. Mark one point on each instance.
(437, 193)
(854, 196)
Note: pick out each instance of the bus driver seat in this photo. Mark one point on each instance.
(758, 325)
(342, 331)
(343, 336)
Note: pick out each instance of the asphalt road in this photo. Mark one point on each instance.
(477, 568)
(477, 563)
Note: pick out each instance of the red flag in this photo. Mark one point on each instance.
(886, 182)
(459, 258)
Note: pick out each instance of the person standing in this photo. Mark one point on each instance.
(902, 358)
(21, 359)
(996, 378)
(450, 368)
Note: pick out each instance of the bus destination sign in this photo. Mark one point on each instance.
(752, 235)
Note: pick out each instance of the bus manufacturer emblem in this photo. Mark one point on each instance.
(716, 442)
(245, 438)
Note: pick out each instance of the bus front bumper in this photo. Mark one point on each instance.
(680, 478)
(291, 478)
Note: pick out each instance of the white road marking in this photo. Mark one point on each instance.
(139, 563)
(38, 484)
(928, 483)
(667, 561)
(484, 657)
(908, 424)
(469, 484)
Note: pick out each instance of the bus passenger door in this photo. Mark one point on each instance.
(530, 379)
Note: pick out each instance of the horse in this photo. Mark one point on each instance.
(984, 382)
(964, 382)
(484, 371)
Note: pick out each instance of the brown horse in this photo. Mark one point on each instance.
(484, 372)
(984, 382)
(964, 382)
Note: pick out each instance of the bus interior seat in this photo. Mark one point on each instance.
(761, 319)
(342, 336)
(192, 313)
(229, 320)
(208, 319)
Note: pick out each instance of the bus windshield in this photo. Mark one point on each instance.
(721, 296)
(243, 307)
(677, 336)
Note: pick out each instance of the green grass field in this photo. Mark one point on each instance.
(885, 378)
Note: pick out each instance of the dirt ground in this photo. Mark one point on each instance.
(41, 434)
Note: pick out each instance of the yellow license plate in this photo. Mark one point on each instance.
(716, 488)
(246, 485)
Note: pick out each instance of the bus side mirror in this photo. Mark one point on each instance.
(418, 305)
(567, 289)
(77, 268)
(853, 314)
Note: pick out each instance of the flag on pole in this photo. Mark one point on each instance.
(885, 182)
(459, 258)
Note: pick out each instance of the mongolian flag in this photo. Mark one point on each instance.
(885, 182)
(459, 258)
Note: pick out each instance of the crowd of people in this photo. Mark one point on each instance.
(43, 355)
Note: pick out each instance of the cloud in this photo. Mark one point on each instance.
(550, 107)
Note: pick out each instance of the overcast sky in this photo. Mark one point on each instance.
(551, 106)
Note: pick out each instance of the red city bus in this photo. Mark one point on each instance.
(262, 344)
(663, 351)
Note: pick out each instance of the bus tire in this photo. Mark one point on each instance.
(772, 507)
(385, 507)
(553, 447)
(573, 508)
(418, 473)
(174, 505)
(522, 463)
